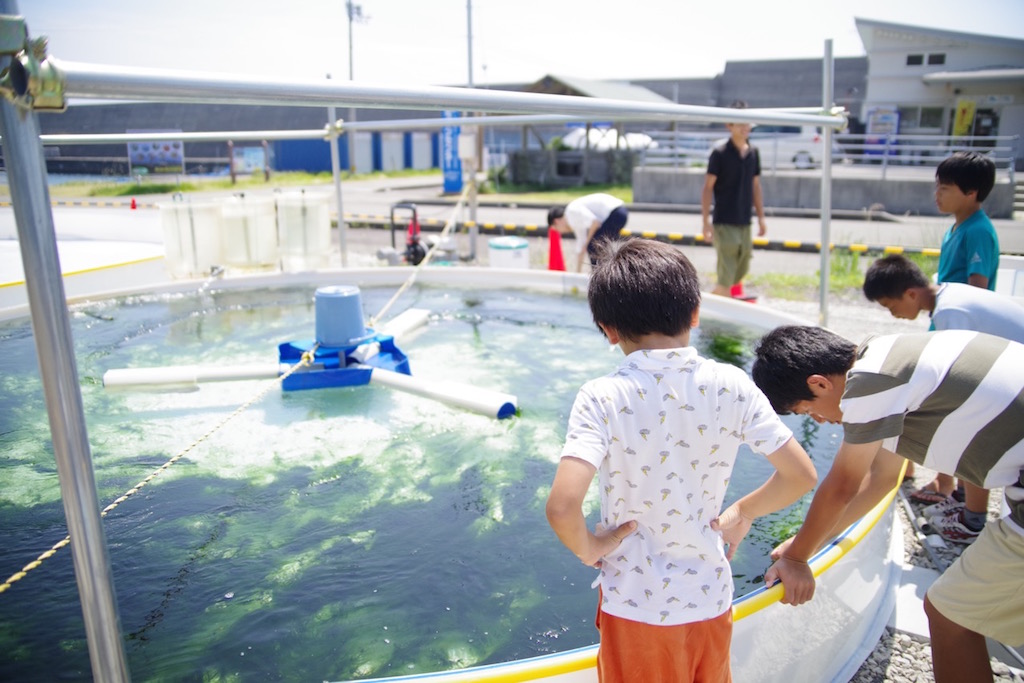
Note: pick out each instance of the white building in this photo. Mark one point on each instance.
(943, 82)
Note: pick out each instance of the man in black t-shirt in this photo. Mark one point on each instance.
(733, 184)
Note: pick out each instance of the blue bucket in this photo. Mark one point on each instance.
(339, 316)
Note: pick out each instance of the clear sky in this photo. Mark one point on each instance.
(425, 42)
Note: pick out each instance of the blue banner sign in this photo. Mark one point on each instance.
(451, 165)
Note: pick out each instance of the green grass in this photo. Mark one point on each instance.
(163, 184)
(846, 276)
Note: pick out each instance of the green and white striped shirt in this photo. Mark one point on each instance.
(954, 399)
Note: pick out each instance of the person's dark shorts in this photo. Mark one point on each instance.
(609, 230)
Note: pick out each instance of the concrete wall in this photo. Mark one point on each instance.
(803, 191)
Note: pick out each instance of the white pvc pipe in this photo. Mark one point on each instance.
(98, 81)
(483, 401)
(188, 375)
(405, 322)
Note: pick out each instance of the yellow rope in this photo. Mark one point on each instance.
(307, 359)
(426, 259)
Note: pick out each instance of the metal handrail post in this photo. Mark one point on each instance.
(59, 373)
(826, 186)
(1014, 149)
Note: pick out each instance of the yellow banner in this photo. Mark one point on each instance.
(963, 123)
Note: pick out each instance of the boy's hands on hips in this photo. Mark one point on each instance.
(734, 526)
(605, 541)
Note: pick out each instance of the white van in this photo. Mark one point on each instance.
(790, 146)
(800, 146)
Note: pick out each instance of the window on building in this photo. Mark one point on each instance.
(938, 58)
(931, 117)
(915, 60)
(920, 120)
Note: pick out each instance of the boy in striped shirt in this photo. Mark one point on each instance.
(952, 401)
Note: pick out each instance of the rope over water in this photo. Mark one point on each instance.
(307, 359)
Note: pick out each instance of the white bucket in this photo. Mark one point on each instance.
(250, 232)
(192, 238)
(304, 230)
(508, 252)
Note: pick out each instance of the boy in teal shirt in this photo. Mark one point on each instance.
(970, 248)
(969, 255)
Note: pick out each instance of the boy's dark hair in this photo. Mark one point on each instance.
(890, 276)
(970, 171)
(640, 286)
(555, 212)
(788, 355)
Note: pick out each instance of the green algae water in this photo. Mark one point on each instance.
(321, 535)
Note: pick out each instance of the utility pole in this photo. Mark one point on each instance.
(355, 13)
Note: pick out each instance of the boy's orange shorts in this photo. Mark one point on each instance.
(632, 651)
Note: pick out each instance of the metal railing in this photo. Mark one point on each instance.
(685, 149)
(928, 150)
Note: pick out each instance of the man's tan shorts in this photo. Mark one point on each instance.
(733, 246)
(984, 589)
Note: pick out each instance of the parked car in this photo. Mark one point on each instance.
(786, 146)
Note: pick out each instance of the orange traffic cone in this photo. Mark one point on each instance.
(133, 202)
(555, 260)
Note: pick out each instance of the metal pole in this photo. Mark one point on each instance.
(59, 373)
(827, 96)
(478, 140)
(350, 8)
(332, 139)
(469, 40)
(94, 81)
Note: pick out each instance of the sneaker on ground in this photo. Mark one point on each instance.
(941, 509)
(952, 528)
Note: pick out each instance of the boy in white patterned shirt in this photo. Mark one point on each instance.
(662, 434)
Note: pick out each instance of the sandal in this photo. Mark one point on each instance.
(927, 495)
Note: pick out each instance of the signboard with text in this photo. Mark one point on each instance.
(167, 156)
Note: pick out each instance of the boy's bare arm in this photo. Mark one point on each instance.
(883, 477)
(793, 477)
(839, 488)
(565, 514)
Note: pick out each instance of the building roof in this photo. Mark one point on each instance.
(611, 90)
(867, 27)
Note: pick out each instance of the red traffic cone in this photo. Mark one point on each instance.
(133, 203)
(736, 291)
(555, 260)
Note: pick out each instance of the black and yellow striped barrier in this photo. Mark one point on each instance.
(92, 203)
(533, 230)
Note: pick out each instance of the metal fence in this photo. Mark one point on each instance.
(679, 149)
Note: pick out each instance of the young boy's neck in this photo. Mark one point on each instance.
(966, 212)
(653, 342)
(927, 298)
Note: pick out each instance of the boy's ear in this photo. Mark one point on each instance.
(819, 384)
(695, 320)
(610, 333)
